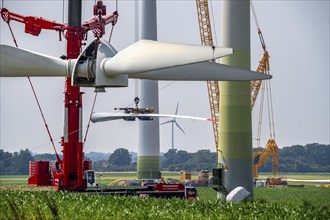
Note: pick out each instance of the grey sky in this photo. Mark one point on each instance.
(296, 35)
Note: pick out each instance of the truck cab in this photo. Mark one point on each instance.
(90, 178)
(190, 192)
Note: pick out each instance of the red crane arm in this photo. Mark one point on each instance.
(99, 23)
(33, 25)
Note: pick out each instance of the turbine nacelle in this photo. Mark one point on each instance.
(145, 59)
(100, 65)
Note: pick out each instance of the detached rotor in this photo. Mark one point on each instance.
(100, 65)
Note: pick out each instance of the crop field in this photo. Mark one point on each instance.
(63, 205)
(13, 179)
(18, 201)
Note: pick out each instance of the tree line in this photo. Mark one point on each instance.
(15, 163)
(311, 158)
(297, 158)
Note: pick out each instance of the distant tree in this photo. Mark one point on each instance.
(97, 156)
(182, 160)
(5, 162)
(101, 165)
(181, 156)
(297, 158)
(169, 158)
(203, 160)
(21, 162)
(44, 157)
(120, 157)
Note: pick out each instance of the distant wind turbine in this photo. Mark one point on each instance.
(173, 121)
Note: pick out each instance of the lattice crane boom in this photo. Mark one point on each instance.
(212, 86)
(263, 67)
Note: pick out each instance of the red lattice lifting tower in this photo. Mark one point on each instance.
(68, 174)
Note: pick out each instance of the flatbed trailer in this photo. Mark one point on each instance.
(160, 190)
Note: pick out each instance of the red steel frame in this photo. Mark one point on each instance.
(70, 176)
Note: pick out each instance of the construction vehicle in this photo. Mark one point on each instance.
(276, 181)
(203, 175)
(185, 176)
(260, 158)
(202, 181)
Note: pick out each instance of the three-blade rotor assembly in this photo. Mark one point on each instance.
(100, 65)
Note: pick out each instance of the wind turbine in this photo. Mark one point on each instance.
(173, 122)
(100, 65)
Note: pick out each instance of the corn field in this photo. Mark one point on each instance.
(63, 205)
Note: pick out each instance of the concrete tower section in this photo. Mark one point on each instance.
(235, 131)
(148, 161)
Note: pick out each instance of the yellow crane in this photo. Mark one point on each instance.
(213, 86)
(260, 157)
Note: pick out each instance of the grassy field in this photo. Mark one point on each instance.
(16, 180)
(17, 204)
(18, 201)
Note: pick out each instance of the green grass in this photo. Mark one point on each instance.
(63, 205)
(18, 202)
(17, 180)
(291, 196)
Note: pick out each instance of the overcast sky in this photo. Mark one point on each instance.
(297, 38)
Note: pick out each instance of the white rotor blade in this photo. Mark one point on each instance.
(177, 108)
(147, 55)
(201, 72)
(143, 60)
(15, 62)
(179, 127)
(166, 122)
(104, 116)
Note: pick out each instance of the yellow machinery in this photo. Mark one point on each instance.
(260, 158)
(185, 176)
(203, 175)
(214, 92)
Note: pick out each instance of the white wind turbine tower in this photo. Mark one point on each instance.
(173, 121)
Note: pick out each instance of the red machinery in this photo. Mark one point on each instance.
(68, 173)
